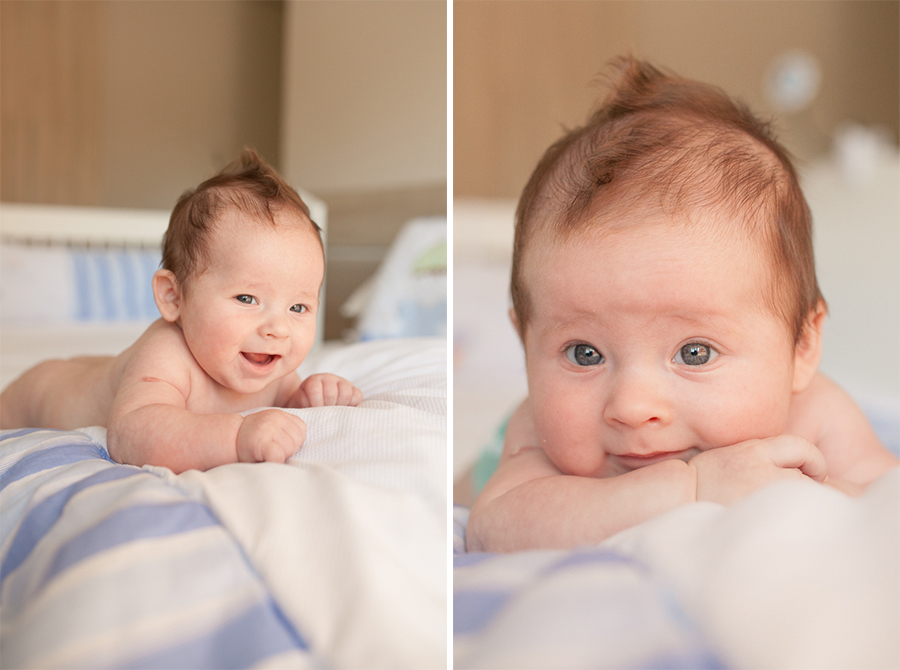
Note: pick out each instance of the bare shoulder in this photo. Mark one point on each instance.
(522, 460)
(827, 416)
(160, 354)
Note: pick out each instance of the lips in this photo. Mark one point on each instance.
(260, 360)
(641, 460)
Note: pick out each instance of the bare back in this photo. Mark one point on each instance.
(62, 394)
(82, 391)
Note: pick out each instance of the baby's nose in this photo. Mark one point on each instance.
(274, 326)
(637, 399)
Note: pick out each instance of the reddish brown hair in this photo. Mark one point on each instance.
(661, 142)
(248, 184)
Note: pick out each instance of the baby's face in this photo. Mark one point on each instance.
(649, 344)
(250, 318)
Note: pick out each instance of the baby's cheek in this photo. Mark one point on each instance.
(571, 441)
(755, 418)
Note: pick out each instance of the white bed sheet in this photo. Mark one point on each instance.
(352, 539)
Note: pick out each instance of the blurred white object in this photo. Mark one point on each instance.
(407, 296)
(856, 232)
(792, 81)
(484, 229)
(488, 364)
(862, 152)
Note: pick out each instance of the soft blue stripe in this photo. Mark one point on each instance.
(468, 560)
(82, 285)
(18, 432)
(474, 609)
(691, 659)
(108, 300)
(51, 458)
(129, 284)
(594, 557)
(42, 517)
(256, 634)
(139, 522)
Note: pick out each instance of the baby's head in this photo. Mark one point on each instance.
(663, 280)
(665, 145)
(243, 266)
(248, 187)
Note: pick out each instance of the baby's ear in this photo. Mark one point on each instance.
(808, 351)
(167, 294)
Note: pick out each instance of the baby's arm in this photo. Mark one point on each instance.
(529, 503)
(323, 390)
(150, 424)
(827, 416)
(727, 474)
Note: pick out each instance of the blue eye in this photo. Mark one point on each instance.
(695, 353)
(584, 355)
(246, 299)
(299, 309)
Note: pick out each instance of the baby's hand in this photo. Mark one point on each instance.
(727, 474)
(271, 435)
(323, 390)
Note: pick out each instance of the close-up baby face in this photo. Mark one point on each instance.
(651, 341)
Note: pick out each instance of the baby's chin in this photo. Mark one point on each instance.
(613, 464)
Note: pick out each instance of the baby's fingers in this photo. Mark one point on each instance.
(790, 451)
(330, 391)
(348, 394)
(311, 393)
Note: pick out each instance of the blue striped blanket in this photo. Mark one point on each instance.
(108, 565)
(335, 559)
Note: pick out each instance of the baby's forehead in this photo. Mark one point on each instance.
(235, 223)
(654, 224)
(680, 244)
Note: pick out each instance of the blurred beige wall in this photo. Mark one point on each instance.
(364, 125)
(129, 103)
(365, 95)
(523, 70)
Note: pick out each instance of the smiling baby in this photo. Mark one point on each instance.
(243, 266)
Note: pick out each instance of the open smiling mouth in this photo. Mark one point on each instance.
(260, 360)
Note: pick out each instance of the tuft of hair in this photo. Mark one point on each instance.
(664, 143)
(248, 184)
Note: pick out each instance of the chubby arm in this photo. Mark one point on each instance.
(529, 503)
(150, 423)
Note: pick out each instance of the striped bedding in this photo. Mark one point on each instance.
(795, 576)
(108, 565)
(336, 559)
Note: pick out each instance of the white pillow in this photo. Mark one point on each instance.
(407, 296)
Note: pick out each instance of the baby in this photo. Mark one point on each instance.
(243, 266)
(664, 290)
